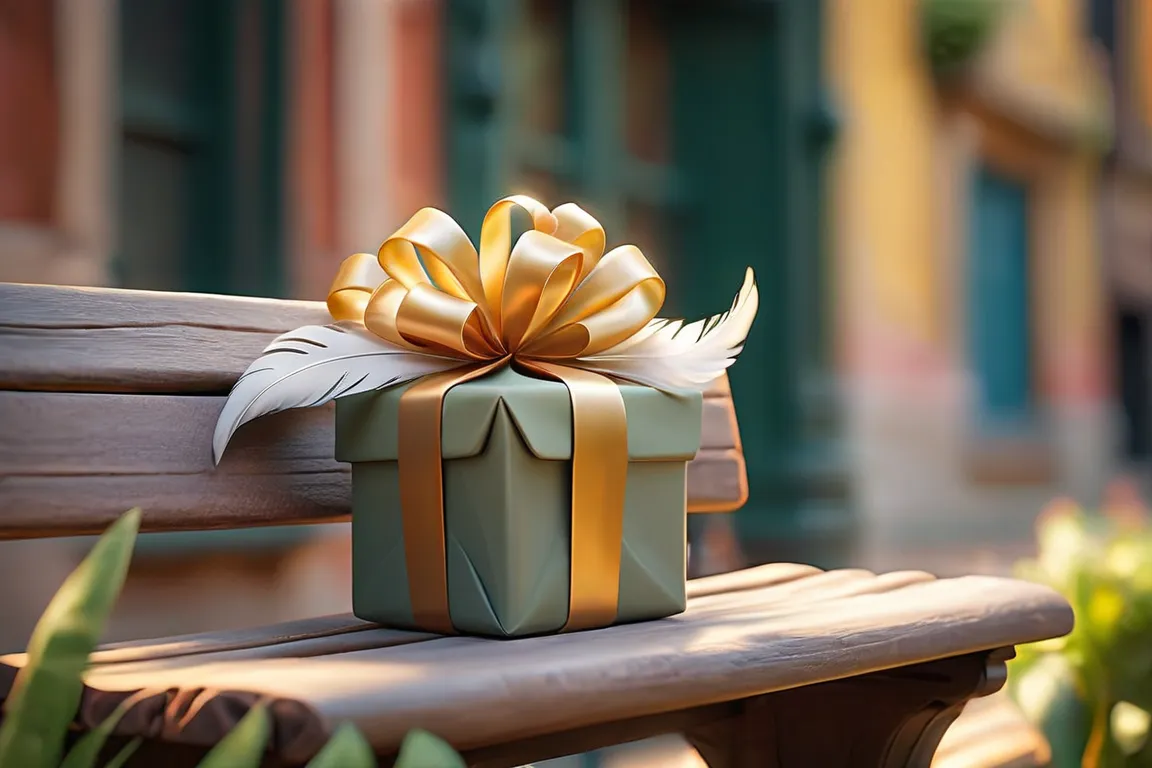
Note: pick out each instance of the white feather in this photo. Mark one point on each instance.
(667, 354)
(312, 365)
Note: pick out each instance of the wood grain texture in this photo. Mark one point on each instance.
(70, 463)
(60, 338)
(57, 338)
(796, 629)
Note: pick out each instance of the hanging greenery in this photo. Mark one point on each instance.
(954, 31)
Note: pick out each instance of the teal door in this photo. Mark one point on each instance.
(999, 327)
(697, 131)
(200, 206)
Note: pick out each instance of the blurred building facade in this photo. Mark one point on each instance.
(975, 343)
(1125, 30)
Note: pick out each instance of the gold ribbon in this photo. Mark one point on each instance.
(551, 298)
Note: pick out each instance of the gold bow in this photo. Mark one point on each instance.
(541, 305)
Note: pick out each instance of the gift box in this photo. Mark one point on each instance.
(517, 417)
(507, 449)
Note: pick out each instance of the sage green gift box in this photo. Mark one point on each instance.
(507, 450)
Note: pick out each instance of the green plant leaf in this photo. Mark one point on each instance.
(346, 749)
(244, 745)
(87, 750)
(46, 693)
(125, 754)
(954, 31)
(421, 749)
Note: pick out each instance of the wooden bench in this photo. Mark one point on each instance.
(108, 399)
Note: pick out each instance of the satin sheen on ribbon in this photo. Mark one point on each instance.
(539, 304)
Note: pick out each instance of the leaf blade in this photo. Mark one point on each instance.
(346, 749)
(421, 749)
(87, 750)
(47, 690)
(125, 754)
(245, 744)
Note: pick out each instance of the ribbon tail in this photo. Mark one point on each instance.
(422, 493)
(599, 477)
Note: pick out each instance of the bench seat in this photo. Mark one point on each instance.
(761, 661)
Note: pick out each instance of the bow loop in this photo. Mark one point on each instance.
(496, 244)
(554, 296)
(542, 273)
(620, 296)
(448, 325)
(358, 277)
(577, 226)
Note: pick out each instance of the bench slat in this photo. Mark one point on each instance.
(61, 338)
(111, 340)
(108, 399)
(272, 636)
(798, 628)
(70, 463)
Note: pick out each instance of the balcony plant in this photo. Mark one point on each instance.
(1090, 693)
(953, 32)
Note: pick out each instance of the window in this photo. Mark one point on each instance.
(201, 123)
(999, 326)
(1102, 22)
(585, 115)
(199, 168)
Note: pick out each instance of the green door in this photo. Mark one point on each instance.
(200, 146)
(536, 104)
(696, 130)
(753, 128)
(200, 167)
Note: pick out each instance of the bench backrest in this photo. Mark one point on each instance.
(108, 399)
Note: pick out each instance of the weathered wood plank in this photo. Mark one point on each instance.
(277, 638)
(59, 338)
(109, 340)
(727, 646)
(70, 463)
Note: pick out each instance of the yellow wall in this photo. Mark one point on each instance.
(1031, 104)
(883, 171)
(1141, 35)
